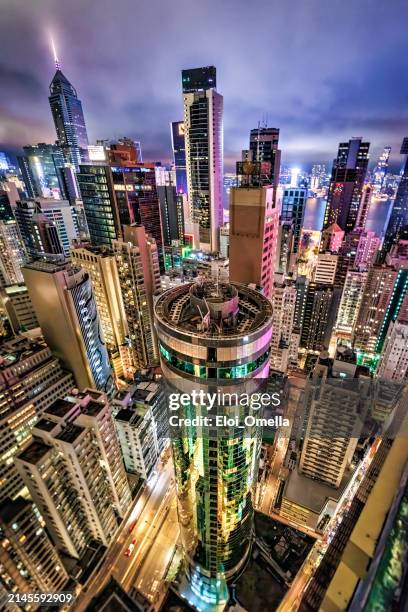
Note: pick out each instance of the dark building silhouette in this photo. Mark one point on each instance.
(346, 184)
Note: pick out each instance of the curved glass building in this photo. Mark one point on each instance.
(214, 346)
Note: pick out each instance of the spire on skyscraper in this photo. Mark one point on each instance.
(54, 51)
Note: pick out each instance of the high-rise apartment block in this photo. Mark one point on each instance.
(332, 238)
(384, 292)
(325, 270)
(381, 169)
(335, 415)
(253, 234)
(215, 335)
(367, 250)
(74, 472)
(28, 559)
(139, 278)
(6, 211)
(30, 380)
(100, 264)
(394, 356)
(284, 342)
(65, 305)
(171, 214)
(17, 304)
(203, 133)
(316, 311)
(398, 220)
(293, 211)
(346, 184)
(12, 253)
(264, 149)
(350, 303)
(46, 225)
(140, 435)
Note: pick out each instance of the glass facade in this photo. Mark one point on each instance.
(95, 184)
(215, 467)
(69, 120)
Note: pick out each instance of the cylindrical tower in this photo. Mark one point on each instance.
(214, 345)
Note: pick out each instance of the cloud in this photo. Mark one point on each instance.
(320, 71)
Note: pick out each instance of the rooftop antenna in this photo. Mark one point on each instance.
(54, 52)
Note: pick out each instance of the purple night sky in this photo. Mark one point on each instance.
(320, 70)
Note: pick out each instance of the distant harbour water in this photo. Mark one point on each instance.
(376, 221)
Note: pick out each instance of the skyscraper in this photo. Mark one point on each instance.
(179, 154)
(399, 214)
(100, 264)
(139, 279)
(339, 402)
(293, 211)
(394, 357)
(119, 195)
(31, 377)
(353, 562)
(367, 250)
(66, 310)
(284, 343)
(139, 435)
(171, 214)
(98, 197)
(40, 170)
(203, 129)
(350, 303)
(316, 307)
(214, 336)
(28, 559)
(66, 109)
(17, 304)
(74, 472)
(346, 184)
(383, 296)
(263, 148)
(6, 212)
(253, 230)
(12, 254)
(46, 225)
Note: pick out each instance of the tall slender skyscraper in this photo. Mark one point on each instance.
(203, 127)
(66, 109)
(254, 229)
(215, 337)
(139, 279)
(346, 184)
(399, 214)
(65, 305)
(293, 211)
(12, 253)
(179, 155)
(263, 148)
(100, 264)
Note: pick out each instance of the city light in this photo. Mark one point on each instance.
(203, 348)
